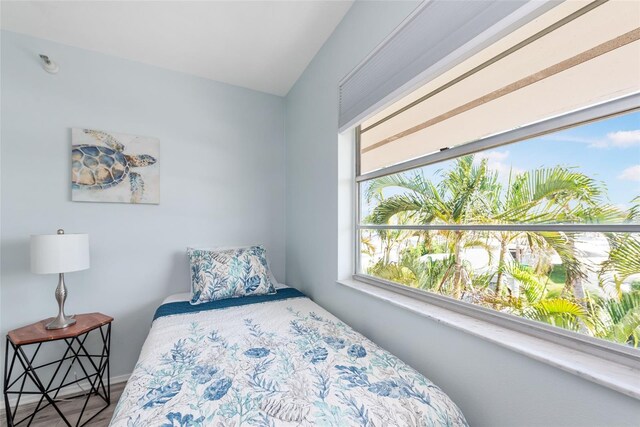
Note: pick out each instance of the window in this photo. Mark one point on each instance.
(512, 181)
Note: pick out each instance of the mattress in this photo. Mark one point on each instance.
(271, 360)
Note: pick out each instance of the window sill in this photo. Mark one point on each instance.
(616, 376)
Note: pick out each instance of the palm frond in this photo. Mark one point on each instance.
(533, 286)
(415, 183)
(634, 211)
(399, 204)
(624, 318)
(545, 193)
(558, 312)
(393, 272)
(564, 245)
(624, 256)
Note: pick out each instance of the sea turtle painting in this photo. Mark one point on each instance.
(110, 167)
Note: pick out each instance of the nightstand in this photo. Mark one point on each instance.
(27, 378)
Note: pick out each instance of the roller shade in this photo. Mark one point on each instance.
(426, 44)
(573, 56)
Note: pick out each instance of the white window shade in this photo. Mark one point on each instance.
(593, 57)
(438, 34)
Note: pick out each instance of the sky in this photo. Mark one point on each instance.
(606, 150)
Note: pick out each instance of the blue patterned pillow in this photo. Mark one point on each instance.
(228, 273)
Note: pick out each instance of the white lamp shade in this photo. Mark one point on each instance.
(59, 253)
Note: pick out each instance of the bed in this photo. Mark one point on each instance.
(271, 360)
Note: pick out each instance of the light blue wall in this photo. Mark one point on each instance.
(493, 386)
(222, 182)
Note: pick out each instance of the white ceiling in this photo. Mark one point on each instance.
(259, 45)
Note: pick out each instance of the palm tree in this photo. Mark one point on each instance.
(624, 259)
(620, 316)
(546, 195)
(470, 193)
(457, 199)
(620, 319)
(534, 302)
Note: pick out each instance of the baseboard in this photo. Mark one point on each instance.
(71, 390)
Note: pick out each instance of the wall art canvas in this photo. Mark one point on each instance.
(114, 167)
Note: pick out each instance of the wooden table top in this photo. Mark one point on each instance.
(36, 332)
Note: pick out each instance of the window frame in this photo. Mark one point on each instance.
(607, 350)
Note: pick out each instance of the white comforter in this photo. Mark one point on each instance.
(286, 362)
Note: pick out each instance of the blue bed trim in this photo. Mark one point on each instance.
(182, 307)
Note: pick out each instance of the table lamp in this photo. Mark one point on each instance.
(58, 254)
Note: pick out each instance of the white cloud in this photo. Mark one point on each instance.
(569, 138)
(624, 138)
(496, 161)
(630, 174)
(618, 139)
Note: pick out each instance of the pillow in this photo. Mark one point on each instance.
(228, 273)
(273, 279)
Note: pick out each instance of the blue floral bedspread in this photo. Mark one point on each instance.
(275, 362)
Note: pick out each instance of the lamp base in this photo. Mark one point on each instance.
(61, 322)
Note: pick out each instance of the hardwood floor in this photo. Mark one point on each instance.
(71, 409)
